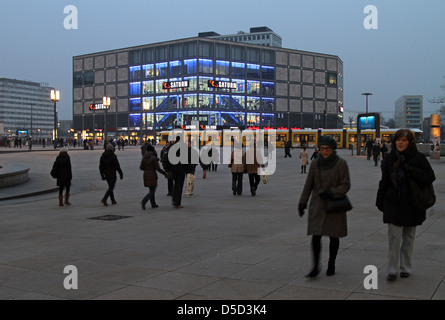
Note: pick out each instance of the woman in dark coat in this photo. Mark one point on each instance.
(108, 165)
(398, 203)
(150, 164)
(62, 172)
(328, 178)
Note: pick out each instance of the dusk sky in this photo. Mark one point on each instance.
(404, 56)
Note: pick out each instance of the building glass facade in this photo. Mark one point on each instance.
(218, 83)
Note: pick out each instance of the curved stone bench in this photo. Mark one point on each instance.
(13, 175)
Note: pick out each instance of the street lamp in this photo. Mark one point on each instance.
(106, 103)
(55, 96)
(366, 94)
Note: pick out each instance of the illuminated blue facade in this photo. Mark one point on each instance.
(258, 86)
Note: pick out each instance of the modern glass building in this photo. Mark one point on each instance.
(220, 83)
(408, 111)
(26, 109)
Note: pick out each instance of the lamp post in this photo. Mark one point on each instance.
(106, 103)
(55, 96)
(366, 94)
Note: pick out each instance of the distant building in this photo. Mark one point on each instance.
(26, 108)
(408, 111)
(65, 128)
(258, 35)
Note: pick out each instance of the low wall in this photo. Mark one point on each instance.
(13, 175)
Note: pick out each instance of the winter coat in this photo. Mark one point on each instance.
(240, 165)
(336, 181)
(394, 197)
(108, 165)
(252, 165)
(62, 167)
(304, 158)
(150, 164)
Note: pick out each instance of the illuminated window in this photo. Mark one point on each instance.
(205, 66)
(203, 84)
(267, 73)
(253, 103)
(135, 73)
(267, 104)
(253, 71)
(161, 103)
(253, 87)
(135, 104)
(240, 86)
(222, 101)
(205, 101)
(148, 87)
(162, 69)
(222, 68)
(267, 88)
(238, 70)
(148, 71)
(148, 103)
(190, 66)
(190, 100)
(135, 88)
(331, 79)
(238, 103)
(175, 68)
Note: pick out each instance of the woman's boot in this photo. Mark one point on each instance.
(67, 199)
(60, 201)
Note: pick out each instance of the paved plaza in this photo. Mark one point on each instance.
(218, 247)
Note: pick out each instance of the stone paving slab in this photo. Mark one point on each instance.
(219, 246)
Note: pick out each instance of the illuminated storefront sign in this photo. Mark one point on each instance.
(222, 84)
(98, 106)
(175, 84)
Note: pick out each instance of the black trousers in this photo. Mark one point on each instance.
(254, 180)
(237, 182)
(178, 180)
(61, 190)
(111, 183)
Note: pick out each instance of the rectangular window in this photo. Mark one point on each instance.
(175, 68)
(176, 51)
(77, 79)
(135, 104)
(135, 88)
(267, 73)
(190, 66)
(331, 79)
(268, 88)
(135, 120)
(148, 103)
(205, 49)
(161, 103)
(162, 69)
(222, 51)
(238, 70)
(148, 119)
(267, 104)
(148, 55)
(240, 86)
(193, 83)
(205, 101)
(135, 73)
(148, 71)
(253, 55)
(88, 78)
(238, 53)
(238, 103)
(253, 87)
(148, 87)
(253, 103)
(222, 101)
(267, 56)
(253, 71)
(135, 57)
(162, 53)
(234, 119)
(160, 87)
(253, 120)
(190, 49)
(165, 120)
(190, 101)
(203, 84)
(205, 66)
(267, 119)
(222, 68)
(175, 102)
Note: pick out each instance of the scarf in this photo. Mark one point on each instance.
(327, 163)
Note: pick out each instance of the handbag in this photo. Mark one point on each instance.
(423, 198)
(337, 205)
(265, 179)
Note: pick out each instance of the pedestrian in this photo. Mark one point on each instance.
(30, 144)
(62, 172)
(252, 166)
(402, 166)
(304, 160)
(169, 175)
(384, 151)
(376, 152)
(369, 144)
(315, 153)
(328, 177)
(237, 166)
(108, 166)
(150, 164)
(177, 171)
(287, 147)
